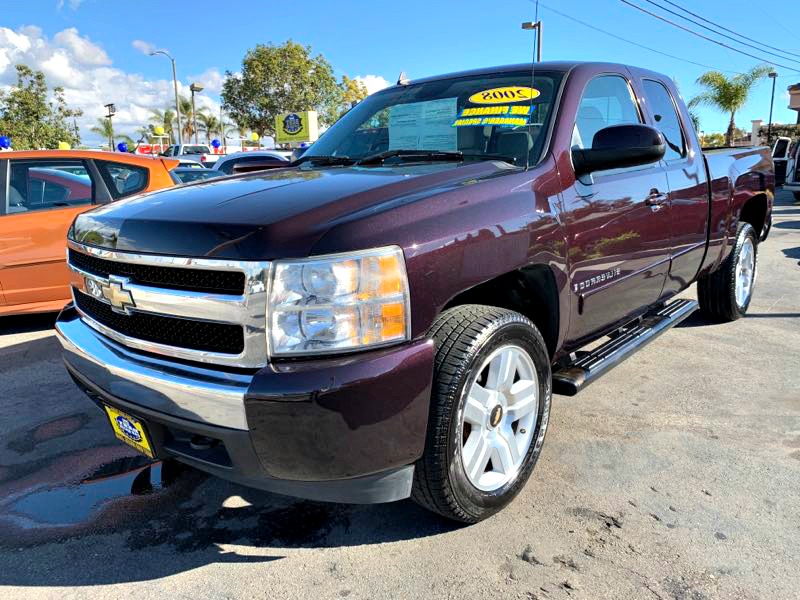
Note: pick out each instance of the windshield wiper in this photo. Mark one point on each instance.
(323, 160)
(430, 155)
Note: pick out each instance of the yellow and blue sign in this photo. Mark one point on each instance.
(500, 116)
(296, 127)
(504, 95)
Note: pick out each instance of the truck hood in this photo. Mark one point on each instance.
(271, 214)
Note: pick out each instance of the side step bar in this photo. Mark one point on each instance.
(589, 366)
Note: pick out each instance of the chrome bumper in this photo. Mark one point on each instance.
(195, 393)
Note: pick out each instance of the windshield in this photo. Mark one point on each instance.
(482, 117)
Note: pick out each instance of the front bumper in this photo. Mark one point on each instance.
(344, 429)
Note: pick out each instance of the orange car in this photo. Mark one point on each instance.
(41, 193)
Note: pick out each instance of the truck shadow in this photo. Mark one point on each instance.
(27, 323)
(78, 508)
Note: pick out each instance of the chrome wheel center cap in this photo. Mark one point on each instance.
(495, 416)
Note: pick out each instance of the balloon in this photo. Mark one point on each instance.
(5, 142)
(159, 130)
(63, 146)
(254, 137)
(122, 147)
(216, 143)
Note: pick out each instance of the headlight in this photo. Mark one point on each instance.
(339, 302)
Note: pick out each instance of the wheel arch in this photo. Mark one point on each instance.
(531, 291)
(754, 211)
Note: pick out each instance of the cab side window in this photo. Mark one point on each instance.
(607, 100)
(44, 185)
(122, 180)
(666, 118)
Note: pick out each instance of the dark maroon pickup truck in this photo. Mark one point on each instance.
(389, 315)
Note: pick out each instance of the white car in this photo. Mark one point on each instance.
(263, 157)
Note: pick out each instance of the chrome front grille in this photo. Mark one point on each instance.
(204, 310)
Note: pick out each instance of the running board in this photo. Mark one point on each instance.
(589, 366)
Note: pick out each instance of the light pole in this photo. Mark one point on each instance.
(111, 110)
(175, 84)
(773, 75)
(195, 87)
(538, 27)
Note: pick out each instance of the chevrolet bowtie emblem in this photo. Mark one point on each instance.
(114, 292)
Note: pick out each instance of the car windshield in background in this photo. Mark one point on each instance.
(483, 117)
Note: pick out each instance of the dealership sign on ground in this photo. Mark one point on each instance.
(296, 127)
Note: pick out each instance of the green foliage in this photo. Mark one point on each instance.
(779, 130)
(208, 124)
(712, 140)
(276, 79)
(353, 92)
(728, 94)
(33, 121)
(105, 129)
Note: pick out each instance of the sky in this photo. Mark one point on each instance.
(97, 49)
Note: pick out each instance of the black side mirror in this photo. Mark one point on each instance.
(619, 146)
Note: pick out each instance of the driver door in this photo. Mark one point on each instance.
(617, 222)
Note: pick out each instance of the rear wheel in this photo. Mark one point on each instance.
(489, 411)
(725, 294)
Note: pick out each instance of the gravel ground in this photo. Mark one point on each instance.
(676, 476)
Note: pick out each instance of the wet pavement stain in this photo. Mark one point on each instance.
(45, 432)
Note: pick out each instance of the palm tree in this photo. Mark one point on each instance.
(165, 118)
(105, 128)
(208, 124)
(728, 94)
(186, 118)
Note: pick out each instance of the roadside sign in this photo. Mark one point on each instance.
(296, 127)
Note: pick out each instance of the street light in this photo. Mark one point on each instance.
(111, 112)
(175, 84)
(773, 75)
(195, 87)
(537, 26)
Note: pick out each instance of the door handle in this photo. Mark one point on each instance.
(655, 200)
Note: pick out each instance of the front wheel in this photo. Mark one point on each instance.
(489, 410)
(725, 294)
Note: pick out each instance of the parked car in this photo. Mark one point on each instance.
(44, 190)
(186, 163)
(254, 159)
(792, 154)
(200, 153)
(188, 175)
(426, 287)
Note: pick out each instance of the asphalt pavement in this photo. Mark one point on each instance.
(676, 476)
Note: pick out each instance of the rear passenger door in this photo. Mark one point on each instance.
(688, 187)
(37, 205)
(616, 221)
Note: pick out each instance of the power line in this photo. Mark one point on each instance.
(718, 26)
(725, 35)
(700, 35)
(627, 41)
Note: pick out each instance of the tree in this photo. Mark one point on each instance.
(728, 94)
(30, 119)
(276, 79)
(105, 129)
(353, 92)
(208, 124)
(164, 118)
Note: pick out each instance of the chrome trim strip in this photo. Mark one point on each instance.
(248, 310)
(184, 391)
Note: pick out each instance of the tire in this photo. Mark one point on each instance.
(717, 291)
(470, 341)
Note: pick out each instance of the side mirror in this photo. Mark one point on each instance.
(619, 146)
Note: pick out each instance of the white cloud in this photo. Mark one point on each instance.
(73, 4)
(373, 83)
(89, 80)
(210, 79)
(143, 47)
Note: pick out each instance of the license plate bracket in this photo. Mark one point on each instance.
(130, 430)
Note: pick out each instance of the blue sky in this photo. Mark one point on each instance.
(87, 45)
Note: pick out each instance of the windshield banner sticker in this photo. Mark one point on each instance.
(501, 116)
(504, 95)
